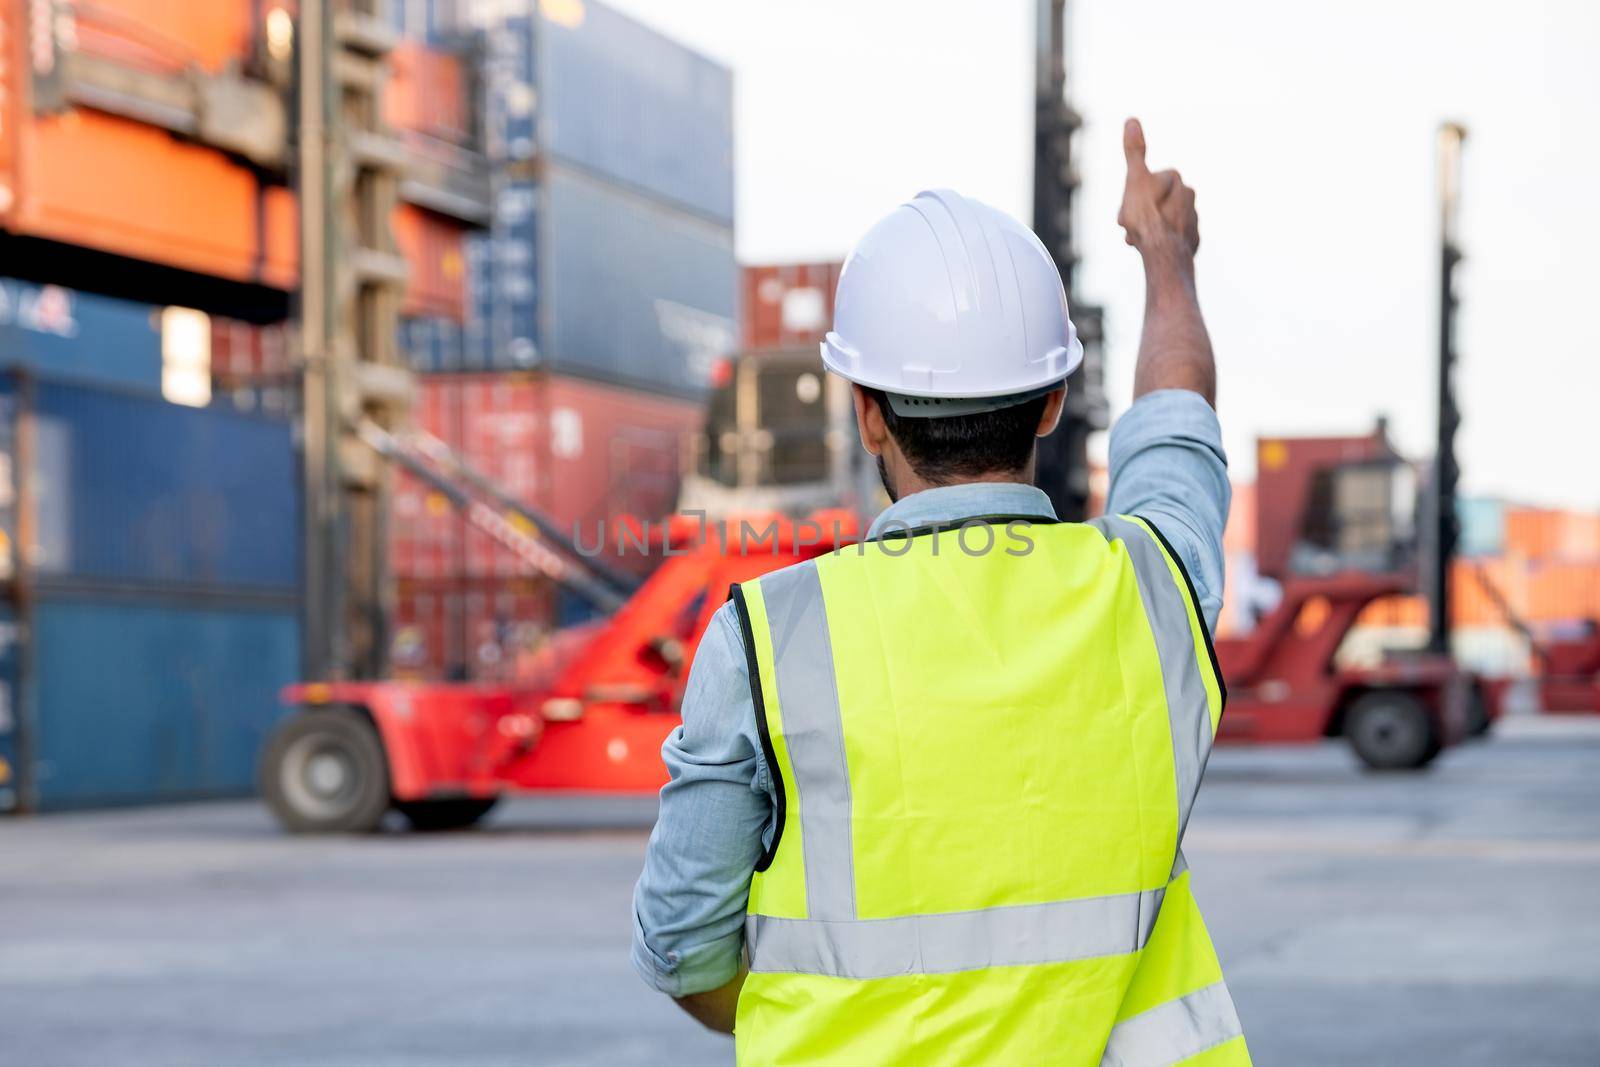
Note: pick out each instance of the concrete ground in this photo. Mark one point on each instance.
(1443, 918)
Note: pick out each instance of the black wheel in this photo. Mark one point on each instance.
(457, 813)
(1478, 722)
(324, 772)
(1392, 730)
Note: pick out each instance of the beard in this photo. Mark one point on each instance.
(888, 486)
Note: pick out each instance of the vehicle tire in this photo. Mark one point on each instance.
(324, 772)
(1392, 730)
(1478, 721)
(456, 813)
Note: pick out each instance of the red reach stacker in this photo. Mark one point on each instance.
(590, 713)
(1336, 531)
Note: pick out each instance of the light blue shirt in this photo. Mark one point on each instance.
(1167, 466)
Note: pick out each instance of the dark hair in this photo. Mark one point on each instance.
(965, 446)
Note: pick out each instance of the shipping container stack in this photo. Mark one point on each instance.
(152, 553)
(150, 534)
(597, 305)
(149, 552)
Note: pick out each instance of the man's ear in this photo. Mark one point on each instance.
(869, 421)
(1053, 403)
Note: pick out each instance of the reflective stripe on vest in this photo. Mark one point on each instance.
(1188, 704)
(828, 921)
(954, 941)
(1174, 1031)
(806, 688)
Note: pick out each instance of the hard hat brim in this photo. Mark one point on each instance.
(839, 358)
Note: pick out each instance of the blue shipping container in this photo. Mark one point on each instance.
(10, 710)
(177, 704)
(81, 337)
(621, 100)
(129, 489)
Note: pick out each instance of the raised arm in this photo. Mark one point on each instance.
(1166, 457)
(1159, 218)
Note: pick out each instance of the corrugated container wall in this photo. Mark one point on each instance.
(582, 277)
(80, 336)
(787, 305)
(180, 696)
(579, 451)
(623, 101)
(54, 164)
(481, 629)
(231, 220)
(1550, 534)
(582, 84)
(635, 293)
(611, 251)
(165, 554)
(133, 489)
(1284, 468)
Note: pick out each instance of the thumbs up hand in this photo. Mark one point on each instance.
(1157, 208)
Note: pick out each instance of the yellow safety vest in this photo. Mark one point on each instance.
(986, 760)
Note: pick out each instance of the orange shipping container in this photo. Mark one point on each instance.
(432, 246)
(1240, 536)
(1536, 592)
(84, 178)
(427, 94)
(88, 179)
(1547, 533)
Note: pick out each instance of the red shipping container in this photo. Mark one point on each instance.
(425, 535)
(484, 629)
(246, 353)
(578, 451)
(788, 305)
(1283, 487)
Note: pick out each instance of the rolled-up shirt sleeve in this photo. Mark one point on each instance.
(689, 904)
(1168, 467)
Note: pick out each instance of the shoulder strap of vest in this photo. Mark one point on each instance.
(1115, 528)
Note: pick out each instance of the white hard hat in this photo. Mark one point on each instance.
(951, 307)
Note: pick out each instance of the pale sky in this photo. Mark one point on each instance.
(1307, 130)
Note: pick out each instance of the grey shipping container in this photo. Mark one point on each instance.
(581, 84)
(621, 100)
(80, 336)
(583, 277)
(633, 292)
(133, 700)
(130, 489)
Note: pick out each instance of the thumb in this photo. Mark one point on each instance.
(1133, 146)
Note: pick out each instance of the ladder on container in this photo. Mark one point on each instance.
(535, 539)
